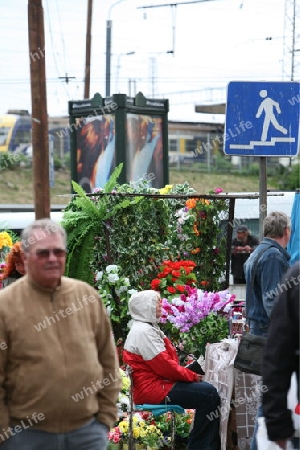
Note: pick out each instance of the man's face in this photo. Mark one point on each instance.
(45, 258)
(241, 236)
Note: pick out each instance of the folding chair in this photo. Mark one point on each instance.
(156, 410)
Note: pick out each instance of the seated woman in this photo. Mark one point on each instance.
(158, 377)
(14, 268)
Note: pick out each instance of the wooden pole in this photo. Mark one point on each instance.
(88, 51)
(40, 144)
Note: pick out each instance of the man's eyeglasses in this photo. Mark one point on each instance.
(44, 253)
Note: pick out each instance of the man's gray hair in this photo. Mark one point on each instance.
(275, 224)
(48, 226)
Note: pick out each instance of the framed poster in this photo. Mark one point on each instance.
(108, 131)
(144, 155)
(95, 151)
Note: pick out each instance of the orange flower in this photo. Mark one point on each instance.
(191, 203)
(204, 201)
(195, 251)
(196, 231)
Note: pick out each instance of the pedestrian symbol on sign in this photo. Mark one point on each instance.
(268, 105)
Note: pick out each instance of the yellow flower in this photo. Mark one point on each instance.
(136, 432)
(143, 432)
(5, 240)
(166, 189)
(123, 425)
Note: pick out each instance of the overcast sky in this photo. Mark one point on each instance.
(214, 42)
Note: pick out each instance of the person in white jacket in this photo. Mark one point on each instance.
(158, 377)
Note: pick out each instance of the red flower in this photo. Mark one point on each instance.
(204, 283)
(176, 273)
(171, 289)
(180, 288)
(155, 284)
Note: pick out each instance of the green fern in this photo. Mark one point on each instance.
(81, 222)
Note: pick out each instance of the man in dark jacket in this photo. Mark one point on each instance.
(282, 358)
(263, 272)
(241, 248)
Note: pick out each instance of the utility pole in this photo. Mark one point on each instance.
(88, 51)
(40, 144)
(108, 49)
(291, 41)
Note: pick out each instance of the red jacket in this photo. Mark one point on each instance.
(151, 355)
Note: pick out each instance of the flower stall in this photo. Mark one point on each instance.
(136, 228)
(130, 237)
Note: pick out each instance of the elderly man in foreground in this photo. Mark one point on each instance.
(59, 376)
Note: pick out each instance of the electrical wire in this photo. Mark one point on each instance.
(53, 50)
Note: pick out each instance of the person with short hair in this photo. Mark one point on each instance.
(59, 374)
(262, 281)
(242, 247)
(158, 378)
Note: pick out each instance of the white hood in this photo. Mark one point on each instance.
(142, 306)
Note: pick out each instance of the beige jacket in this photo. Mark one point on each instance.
(57, 356)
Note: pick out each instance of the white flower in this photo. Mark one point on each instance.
(111, 268)
(121, 289)
(177, 301)
(123, 399)
(113, 278)
(126, 281)
(99, 275)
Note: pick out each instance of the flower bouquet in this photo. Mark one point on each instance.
(173, 277)
(197, 318)
(6, 243)
(145, 431)
(200, 238)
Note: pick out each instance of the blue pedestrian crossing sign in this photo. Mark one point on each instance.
(262, 118)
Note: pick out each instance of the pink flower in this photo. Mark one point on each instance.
(218, 190)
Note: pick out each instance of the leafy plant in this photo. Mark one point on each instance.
(81, 221)
(114, 289)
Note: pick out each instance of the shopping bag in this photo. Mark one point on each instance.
(250, 354)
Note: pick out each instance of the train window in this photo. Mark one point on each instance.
(172, 145)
